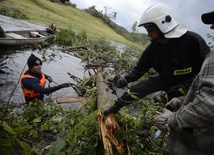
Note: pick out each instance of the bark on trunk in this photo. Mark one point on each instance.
(102, 98)
(109, 123)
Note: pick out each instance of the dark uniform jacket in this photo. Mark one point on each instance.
(176, 61)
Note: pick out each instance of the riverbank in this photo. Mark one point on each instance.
(46, 12)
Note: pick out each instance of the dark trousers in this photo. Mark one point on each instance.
(145, 87)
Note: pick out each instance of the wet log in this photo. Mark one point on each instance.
(108, 124)
(102, 96)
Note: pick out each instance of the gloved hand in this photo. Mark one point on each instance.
(49, 78)
(110, 83)
(121, 83)
(64, 85)
(161, 121)
(175, 103)
(114, 109)
(118, 83)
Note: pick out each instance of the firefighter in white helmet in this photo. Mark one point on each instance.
(175, 53)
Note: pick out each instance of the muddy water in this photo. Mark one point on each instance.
(13, 64)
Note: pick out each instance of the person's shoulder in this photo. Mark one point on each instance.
(192, 34)
(30, 81)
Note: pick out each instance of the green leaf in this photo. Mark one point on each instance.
(59, 145)
(45, 127)
(56, 119)
(37, 120)
(34, 133)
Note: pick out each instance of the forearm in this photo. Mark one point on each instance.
(133, 76)
(48, 90)
(196, 114)
(137, 73)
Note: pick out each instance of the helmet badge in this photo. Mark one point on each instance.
(168, 19)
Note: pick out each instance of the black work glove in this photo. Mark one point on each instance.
(65, 85)
(110, 83)
(49, 78)
(120, 83)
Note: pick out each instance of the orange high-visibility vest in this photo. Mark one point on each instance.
(31, 93)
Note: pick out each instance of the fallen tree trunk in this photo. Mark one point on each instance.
(109, 123)
(101, 98)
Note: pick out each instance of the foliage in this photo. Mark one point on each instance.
(13, 12)
(68, 37)
(134, 37)
(9, 144)
(76, 130)
(41, 123)
(67, 3)
(98, 51)
(211, 42)
(135, 118)
(134, 27)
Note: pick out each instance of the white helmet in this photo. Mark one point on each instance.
(159, 15)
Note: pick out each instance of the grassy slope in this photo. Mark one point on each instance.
(44, 11)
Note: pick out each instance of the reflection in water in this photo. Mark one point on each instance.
(13, 62)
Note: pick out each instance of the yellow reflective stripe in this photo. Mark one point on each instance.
(183, 71)
(182, 91)
(132, 95)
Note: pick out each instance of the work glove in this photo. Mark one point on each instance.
(161, 121)
(118, 83)
(65, 85)
(175, 103)
(49, 78)
(161, 97)
(114, 109)
(110, 83)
